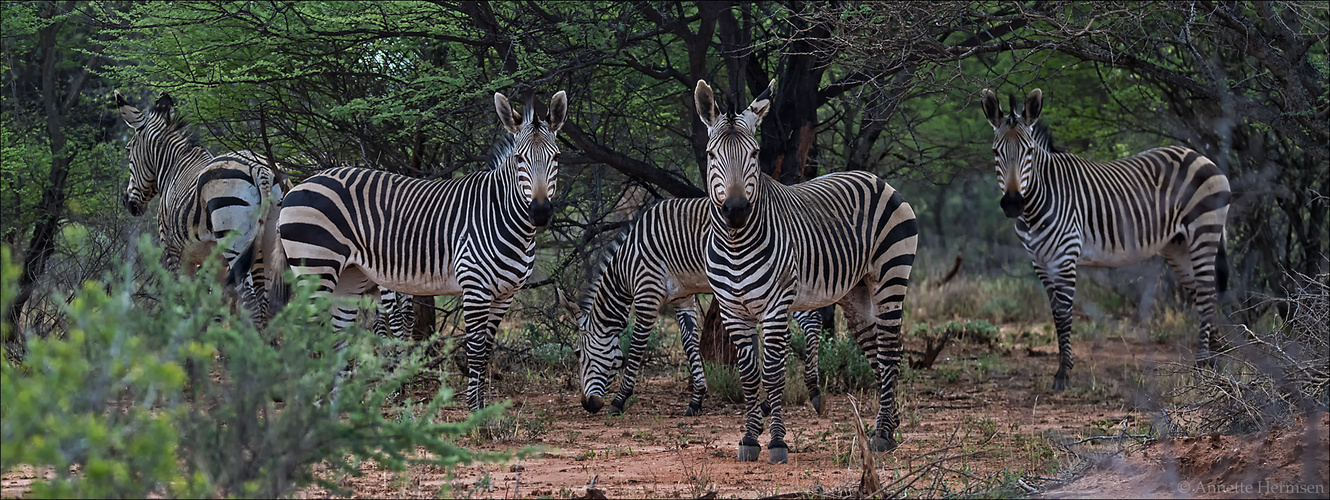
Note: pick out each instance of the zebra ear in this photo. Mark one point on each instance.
(511, 120)
(1034, 104)
(705, 102)
(558, 111)
(992, 110)
(130, 114)
(569, 307)
(759, 107)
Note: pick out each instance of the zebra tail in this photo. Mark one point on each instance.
(275, 261)
(1221, 271)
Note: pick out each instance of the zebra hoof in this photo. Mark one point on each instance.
(592, 404)
(749, 453)
(884, 443)
(693, 410)
(816, 401)
(778, 453)
(1060, 384)
(616, 408)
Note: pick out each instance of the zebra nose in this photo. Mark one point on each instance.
(1012, 205)
(134, 208)
(592, 404)
(736, 210)
(541, 212)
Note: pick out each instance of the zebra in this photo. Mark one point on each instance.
(1071, 211)
(847, 238)
(355, 228)
(204, 197)
(659, 260)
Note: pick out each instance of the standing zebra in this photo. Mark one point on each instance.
(473, 236)
(659, 260)
(845, 238)
(203, 197)
(1071, 211)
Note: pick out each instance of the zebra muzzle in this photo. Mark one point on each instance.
(592, 404)
(135, 209)
(736, 210)
(541, 212)
(1012, 205)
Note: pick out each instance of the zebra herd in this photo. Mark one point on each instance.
(768, 252)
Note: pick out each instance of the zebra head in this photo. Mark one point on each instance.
(158, 137)
(1014, 147)
(598, 351)
(732, 170)
(535, 152)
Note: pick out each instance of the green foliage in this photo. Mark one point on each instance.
(137, 390)
(723, 382)
(843, 366)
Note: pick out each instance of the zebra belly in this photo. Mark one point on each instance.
(685, 285)
(445, 284)
(1097, 256)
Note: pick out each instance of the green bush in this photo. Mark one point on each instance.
(843, 366)
(723, 382)
(178, 395)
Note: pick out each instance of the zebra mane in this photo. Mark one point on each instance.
(501, 152)
(175, 124)
(1043, 138)
(603, 263)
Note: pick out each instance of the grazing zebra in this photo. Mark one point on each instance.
(659, 260)
(1070, 211)
(203, 197)
(473, 236)
(845, 238)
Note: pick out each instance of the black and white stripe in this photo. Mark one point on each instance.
(846, 238)
(1071, 211)
(355, 228)
(659, 260)
(204, 198)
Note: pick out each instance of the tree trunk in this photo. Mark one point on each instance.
(715, 345)
(52, 207)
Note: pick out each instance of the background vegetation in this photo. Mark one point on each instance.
(890, 88)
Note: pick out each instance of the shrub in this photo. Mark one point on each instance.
(843, 366)
(180, 396)
(723, 382)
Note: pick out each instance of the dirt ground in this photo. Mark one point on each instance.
(981, 421)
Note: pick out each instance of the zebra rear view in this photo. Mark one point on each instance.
(205, 198)
(1071, 211)
(355, 228)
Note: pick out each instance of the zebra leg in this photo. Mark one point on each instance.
(482, 315)
(637, 347)
(686, 310)
(744, 335)
(1061, 288)
(775, 345)
(811, 324)
(1196, 270)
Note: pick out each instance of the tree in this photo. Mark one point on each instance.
(55, 135)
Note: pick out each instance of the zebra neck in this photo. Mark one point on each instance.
(188, 160)
(1040, 199)
(612, 303)
(513, 203)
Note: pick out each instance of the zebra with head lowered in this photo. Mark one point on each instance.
(845, 238)
(473, 236)
(204, 198)
(1072, 211)
(659, 260)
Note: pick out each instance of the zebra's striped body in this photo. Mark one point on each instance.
(845, 238)
(204, 198)
(1070, 211)
(473, 236)
(659, 260)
